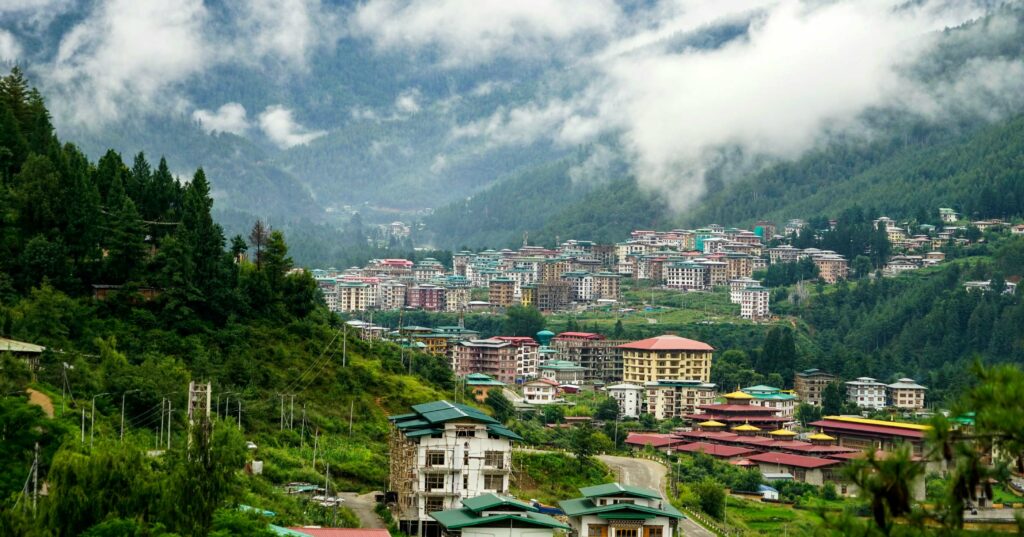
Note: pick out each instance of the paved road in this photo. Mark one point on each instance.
(650, 474)
(363, 508)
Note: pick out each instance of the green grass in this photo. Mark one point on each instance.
(758, 518)
(550, 477)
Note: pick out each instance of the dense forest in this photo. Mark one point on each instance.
(122, 274)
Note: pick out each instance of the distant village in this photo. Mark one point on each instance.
(580, 274)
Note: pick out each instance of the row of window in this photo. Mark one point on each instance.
(437, 482)
(495, 459)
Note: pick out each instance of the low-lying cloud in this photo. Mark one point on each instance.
(230, 117)
(281, 128)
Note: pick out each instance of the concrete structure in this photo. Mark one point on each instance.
(492, 514)
(506, 359)
(736, 287)
(552, 296)
(866, 392)
(809, 383)
(352, 296)
(601, 357)
(629, 397)
(481, 385)
(542, 391)
(905, 394)
(754, 303)
(667, 399)
(562, 372)
(784, 404)
(501, 292)
(861, 433)
(666, 357)
(440, 454)
(606, 286)
(831, 267)
(617, 510)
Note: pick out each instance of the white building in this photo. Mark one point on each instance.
(617, 510)
(629, 397)
(391, 295)
(736, 287)
(906, 394)
(353, 296)
(541, 392)
(442, 453)
(866, 392)
(754, 303)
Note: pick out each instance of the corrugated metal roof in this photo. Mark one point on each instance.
(10, 345)
(668, 342)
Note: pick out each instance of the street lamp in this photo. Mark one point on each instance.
(122, 412)
(92, 418)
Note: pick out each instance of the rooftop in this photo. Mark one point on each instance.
(667, 342)
(798, 461)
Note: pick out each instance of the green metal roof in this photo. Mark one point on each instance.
(480, 379)
(453, 519)
(625, 516)
(489, 501)
(618, 489)
(584, 506)
(428, 416)
(278, 530)
(423, 432)
(503, 431)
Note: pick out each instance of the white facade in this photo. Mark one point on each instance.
(736, 287)
(391, 295)
(906, 394)
(540, 392)
(866, 392)
(629, 397)
(754, 303)
(352, 296)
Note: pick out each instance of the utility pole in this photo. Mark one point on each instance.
(302, 437)
(239, 414)
(169, 411)
(316, 443)
(35, 479)
(344, 345)
(92, 424)
(281, 419)
(122, 413)
(83, 425)
(351, 407)
(291, 416)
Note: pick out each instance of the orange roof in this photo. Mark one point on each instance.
(668, 342)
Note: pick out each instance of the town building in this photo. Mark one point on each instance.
(806, 469)
(629, 397)
(667, 399)
(502, 292)
(425, 296)
(905, 394)
(666, 357)
(542, 391)
(606, 286)
(481, 385)
(810, 383)
(440, 454)
(736, 287)
(866, 392)
(832, 267)
(617, 510)
(784, 404)
(948, 216)
(552, 296)
(506, 359)
(494, 514)
(391, 295)
(754, 303)
(352, 296)
(737, 410)
(601, 357)
(562, 372)
(862, 433)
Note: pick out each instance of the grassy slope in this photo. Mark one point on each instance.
(550, 477)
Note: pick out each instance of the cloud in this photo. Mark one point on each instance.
(802, 72)
(283, 29)
(282, 129)
(230, 117)
(471, 32)
(9, 47)
(439, 165)
(407, 102)
(126, 53)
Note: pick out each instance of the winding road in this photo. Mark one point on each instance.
(649, 474)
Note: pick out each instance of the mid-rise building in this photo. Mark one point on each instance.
(440, 454)
(502, 292)
(666, 357)
(352, 296)
(736, 287)
(553, 296)
(425, 296)
(866, 392)
(601, 357)
(606, 286)
(906, 394)
(391, 295)
(831, 267)
(506, 359)
(629, 397)
(667, 399)
(810, 383)
(562, 372)
(754, 303)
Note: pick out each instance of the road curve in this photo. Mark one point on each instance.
(649, 474)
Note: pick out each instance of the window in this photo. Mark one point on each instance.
(435, 458)
(625, 532)
(465, 454)
(465, 481)
(465, 432)
(434, 482)
(494, 459)
(654, 531)
(494, 482)
(595, 530)
(434, 504)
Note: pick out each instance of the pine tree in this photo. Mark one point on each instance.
(127, 245)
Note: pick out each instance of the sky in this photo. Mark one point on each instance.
(802, 72)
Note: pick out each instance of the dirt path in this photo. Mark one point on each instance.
(363, 505)
(42, 400)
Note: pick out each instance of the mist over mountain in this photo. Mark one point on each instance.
(304, 112)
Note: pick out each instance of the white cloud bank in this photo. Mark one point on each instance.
(470, 32)
(10, 49)
(282, 129)
(230, 117)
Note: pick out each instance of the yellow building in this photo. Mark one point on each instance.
(666, 357)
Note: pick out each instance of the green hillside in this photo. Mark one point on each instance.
(176, 308)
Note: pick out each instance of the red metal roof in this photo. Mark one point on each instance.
(342, 532)
(715, 450)
(579, 335)
(749, 409)
(668, 342)
(653, 439)
(797, 461)
(519, 341)
(843, 426)
(754, 419)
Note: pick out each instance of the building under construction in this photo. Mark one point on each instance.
(440, 454)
